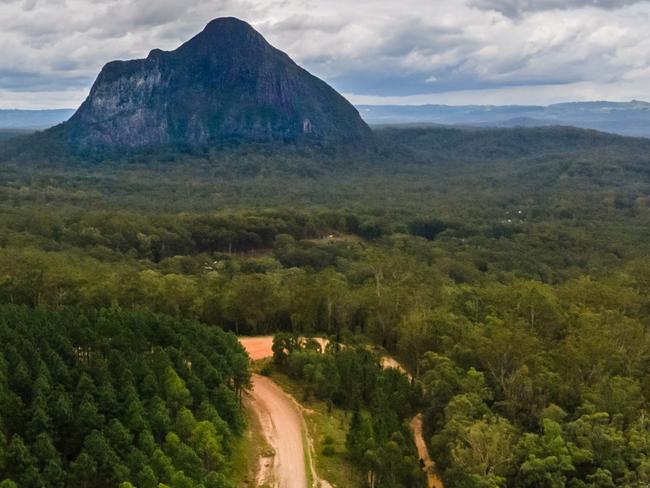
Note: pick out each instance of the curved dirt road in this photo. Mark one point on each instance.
(281, 422)
(282, 425)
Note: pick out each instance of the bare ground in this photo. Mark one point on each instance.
(258, 347)
(261, 347)
(282, 425)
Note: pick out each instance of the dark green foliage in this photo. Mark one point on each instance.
(125, 375)
(6, 134)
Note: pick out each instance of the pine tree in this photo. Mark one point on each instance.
(175, 390)
(18, 459)
(360, 436)
(83, 471)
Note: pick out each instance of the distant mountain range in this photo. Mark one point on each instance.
(624, 118)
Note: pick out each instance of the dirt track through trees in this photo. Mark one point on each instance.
(282, 424)
(416, 426)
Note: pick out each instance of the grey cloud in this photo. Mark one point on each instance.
(515, 8)
(371, 47)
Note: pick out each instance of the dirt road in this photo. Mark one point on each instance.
(416, 426)
(282, 425)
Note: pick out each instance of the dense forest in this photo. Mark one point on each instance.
(506, 269)
(114, 397)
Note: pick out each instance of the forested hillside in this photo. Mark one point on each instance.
(507, 270)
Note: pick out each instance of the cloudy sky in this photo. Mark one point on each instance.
(374, 51)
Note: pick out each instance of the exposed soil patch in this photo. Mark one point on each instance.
(258, 347)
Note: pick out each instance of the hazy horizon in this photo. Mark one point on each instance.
(37, 109)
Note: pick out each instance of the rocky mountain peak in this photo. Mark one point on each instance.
(225, 85)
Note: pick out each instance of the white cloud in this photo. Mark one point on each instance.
(452, 51)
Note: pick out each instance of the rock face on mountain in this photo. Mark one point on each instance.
(227, 84)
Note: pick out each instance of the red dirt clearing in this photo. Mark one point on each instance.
(258, 347)
(262, 347)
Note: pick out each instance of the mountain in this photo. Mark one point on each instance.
(626, 118)
(225, 85)
(33, 119)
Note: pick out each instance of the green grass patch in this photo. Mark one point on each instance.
(248, 450)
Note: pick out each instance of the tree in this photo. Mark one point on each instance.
(83, 471)
(119, 436)
(505, 352)
(88, 417)
(547, 458)
(109, 466)
(185, 423)
(486, 449)
(360, 436)
(207, 445)
(159, 418)
(442, 380)
(162, 465)
(240, 374)
(176, 392)
(146, 478)
(43, 450)
(599, 442)
(415, 337)
(332, 288)
(3, 451)
(618, 396)
(284, 345)
(251, 303)
(18, 459)
(182, 456)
